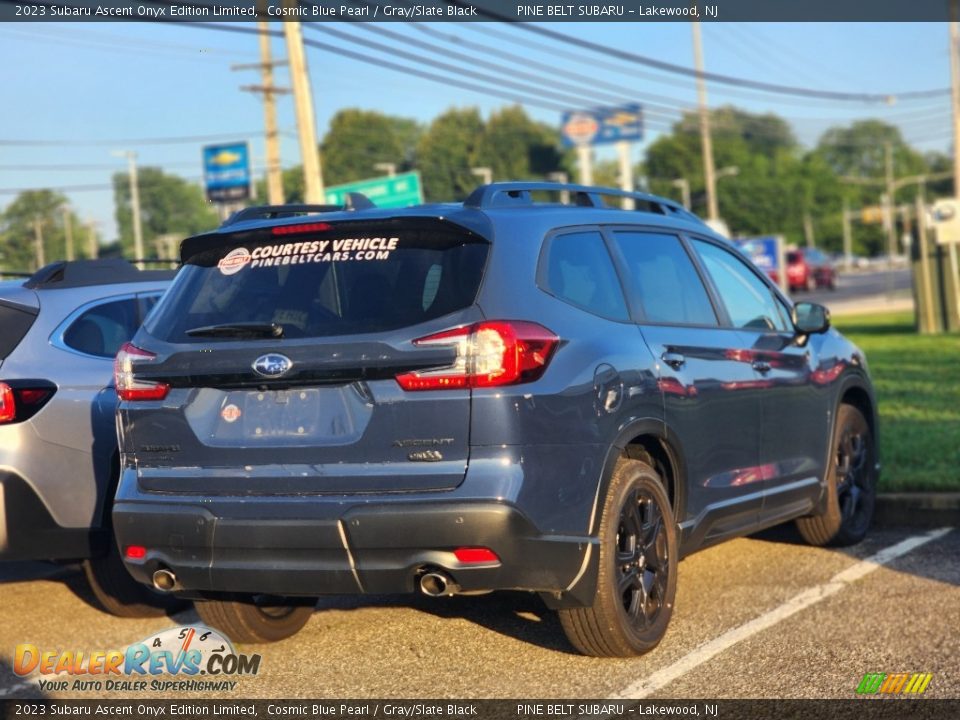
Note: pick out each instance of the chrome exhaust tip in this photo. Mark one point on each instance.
(164, 580)
(438, 584)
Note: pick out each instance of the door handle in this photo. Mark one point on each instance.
(674, 360)
(761, 366)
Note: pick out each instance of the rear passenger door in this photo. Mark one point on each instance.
(794, 403)
(712, 409)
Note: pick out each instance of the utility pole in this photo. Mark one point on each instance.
(38, 242)
(269, 91)
(134, 200)
(705, 136)
(847, 236)
(68, 232)
(92, 240)
(306, 122)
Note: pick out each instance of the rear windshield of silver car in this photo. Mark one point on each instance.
(323, 285)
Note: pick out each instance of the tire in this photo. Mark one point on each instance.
(255, 620)
(119, 594)
(851, 485)
(631, 621)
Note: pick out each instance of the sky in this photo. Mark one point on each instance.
(96, 87)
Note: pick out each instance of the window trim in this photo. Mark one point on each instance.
(636, 307)
(775, 294)
(543, 262)
(57, 337)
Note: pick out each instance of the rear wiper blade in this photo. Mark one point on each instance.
(241, 329)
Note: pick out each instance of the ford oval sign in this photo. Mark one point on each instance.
(272, 365)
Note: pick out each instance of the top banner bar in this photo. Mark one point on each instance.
(476, 11)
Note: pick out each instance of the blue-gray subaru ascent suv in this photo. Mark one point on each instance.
(505, 393)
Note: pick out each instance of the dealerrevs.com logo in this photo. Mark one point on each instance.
(177, 659)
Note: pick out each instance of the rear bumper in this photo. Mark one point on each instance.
(312, 547)
(29, 532)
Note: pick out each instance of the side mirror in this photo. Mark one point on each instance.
(810, 318)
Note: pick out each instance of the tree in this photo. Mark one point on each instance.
(359, 139)
(447, 151)
(17, 234)
(168, 205)
(518, 148)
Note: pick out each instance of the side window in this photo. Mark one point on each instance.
(102, 329)
(664, 278)
(579, 270)
(747, 298)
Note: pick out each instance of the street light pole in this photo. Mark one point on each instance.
(705, 136)
(134, 200)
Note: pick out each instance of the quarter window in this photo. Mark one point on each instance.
(664, 280)
(749, 302)
(580, 271)
(101, 330)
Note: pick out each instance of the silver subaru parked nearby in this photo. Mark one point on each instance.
(59, 333)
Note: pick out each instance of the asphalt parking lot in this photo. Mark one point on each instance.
(761, 617)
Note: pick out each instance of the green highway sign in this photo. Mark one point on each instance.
(385, 192)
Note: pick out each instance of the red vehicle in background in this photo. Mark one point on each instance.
(809, 269)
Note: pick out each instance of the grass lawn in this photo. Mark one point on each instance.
(917, 378)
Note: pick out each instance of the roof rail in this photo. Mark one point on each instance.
(507, 194)
(353, 201)
(83, 273)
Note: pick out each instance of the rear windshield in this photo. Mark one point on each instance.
(794, 257)
(319, 286)
(14, 324)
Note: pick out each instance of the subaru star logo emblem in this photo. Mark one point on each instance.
(272, 365)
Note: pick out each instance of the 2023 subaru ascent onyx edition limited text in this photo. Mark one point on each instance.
(504, 393)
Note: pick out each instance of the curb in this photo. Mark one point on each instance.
(917, 509)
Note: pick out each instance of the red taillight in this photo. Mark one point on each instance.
(135, 552)
(18, 403)
(489, 354)
(299, 229)
(476, 555)
(8, 404)
(129, 388)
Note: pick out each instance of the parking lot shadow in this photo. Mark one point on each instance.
(518, 615)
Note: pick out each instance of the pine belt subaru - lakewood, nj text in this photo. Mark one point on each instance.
(504, 393)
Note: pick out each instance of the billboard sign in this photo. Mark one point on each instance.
(395, 191)
(763, 251)
(621, 123)
(226, 172)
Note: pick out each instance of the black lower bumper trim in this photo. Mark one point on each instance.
(371, 548)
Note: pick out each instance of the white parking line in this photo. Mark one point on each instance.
(658, 680)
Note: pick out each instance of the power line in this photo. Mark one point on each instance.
(175, 140)
(711, 76)
(569, 100)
